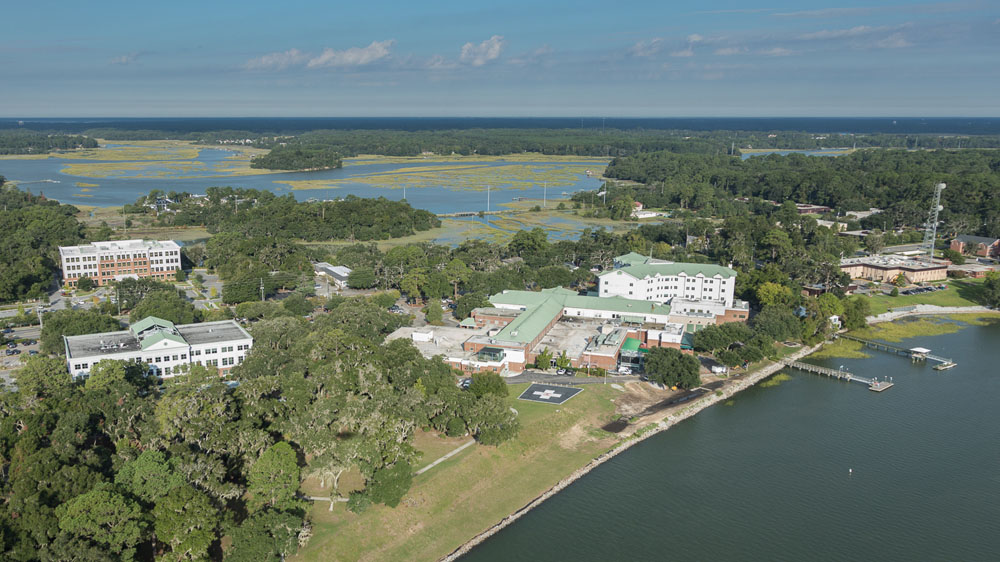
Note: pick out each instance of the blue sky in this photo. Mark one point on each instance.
(512, 58)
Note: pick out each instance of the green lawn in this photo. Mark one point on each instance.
(960, 292)
(465, 495)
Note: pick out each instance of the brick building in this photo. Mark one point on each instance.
(104, 262)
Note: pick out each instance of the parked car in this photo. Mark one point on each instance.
(12, 351)
(32, 352)
(11, 345)
(8, 330)
(625, 371)
(465, 383)
(561, 372)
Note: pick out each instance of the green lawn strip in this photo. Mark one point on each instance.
(841, 348)
(465, 495)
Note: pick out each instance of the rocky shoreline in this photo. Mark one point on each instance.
(646, 431)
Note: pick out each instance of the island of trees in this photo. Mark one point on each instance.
(298, 157)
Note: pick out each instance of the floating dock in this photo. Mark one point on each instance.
(873, 384)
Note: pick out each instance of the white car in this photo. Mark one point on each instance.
(625, 371)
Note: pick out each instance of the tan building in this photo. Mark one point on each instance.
(887, 268)
(104, 262)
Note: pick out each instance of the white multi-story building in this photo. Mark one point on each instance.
(104, 262)
(162, 345)
(641, 278)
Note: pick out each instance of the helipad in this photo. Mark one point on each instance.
(549, 394)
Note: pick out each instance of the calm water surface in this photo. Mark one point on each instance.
(766, 477)
(45, 176)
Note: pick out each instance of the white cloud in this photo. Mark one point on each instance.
(646, 48)
(277, 61)
(729, 51)
(437, 62)
(533, 57)
(125, 59)
(355, 56)
(840, 33)
(894, 41)
(695, 38)
(688, 52)
(478, 55)
(776, 52)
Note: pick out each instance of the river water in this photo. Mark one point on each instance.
(45, 176)
(811, 469)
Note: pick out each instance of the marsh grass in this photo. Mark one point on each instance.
(775, 380)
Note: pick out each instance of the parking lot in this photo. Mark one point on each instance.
(24, 344)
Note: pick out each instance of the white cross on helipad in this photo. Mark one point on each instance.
(547, 394)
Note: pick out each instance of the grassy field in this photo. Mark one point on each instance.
(468, 493)
(909, 328)
(841, 348)
(960, 292)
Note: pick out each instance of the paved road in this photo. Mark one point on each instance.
(546, 378)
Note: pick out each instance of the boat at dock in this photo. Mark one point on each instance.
(944, 366)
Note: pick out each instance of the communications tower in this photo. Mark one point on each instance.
(930, 228)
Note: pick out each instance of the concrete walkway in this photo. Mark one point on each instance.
(446, 457)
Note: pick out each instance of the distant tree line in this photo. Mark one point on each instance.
(899, 182)
(20, 141)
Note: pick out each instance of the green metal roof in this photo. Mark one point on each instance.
(542, 307)
(159, 336)
(641, 271)
(631, 344)
(150, 322)
(469, 322)
(632, 258)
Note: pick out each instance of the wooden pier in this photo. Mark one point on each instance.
(916, 354)
(873, 385)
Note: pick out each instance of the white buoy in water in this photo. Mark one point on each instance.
(850, 471)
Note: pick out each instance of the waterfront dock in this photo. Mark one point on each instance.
(915, 354)
(873, 385)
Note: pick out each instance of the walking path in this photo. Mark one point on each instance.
(446, 457)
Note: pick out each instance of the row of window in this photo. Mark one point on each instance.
(226, 361)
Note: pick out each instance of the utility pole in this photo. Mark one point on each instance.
(118, 299)
(261, 289)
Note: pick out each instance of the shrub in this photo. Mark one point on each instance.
(456, 427)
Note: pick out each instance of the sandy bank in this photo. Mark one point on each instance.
(926, 309)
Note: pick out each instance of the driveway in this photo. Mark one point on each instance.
(547, 378)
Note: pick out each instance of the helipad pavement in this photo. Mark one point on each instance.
(548, 393)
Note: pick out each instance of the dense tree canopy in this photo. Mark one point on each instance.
(298, 157)
(33, 228)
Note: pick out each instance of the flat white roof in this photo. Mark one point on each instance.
(118, 246)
